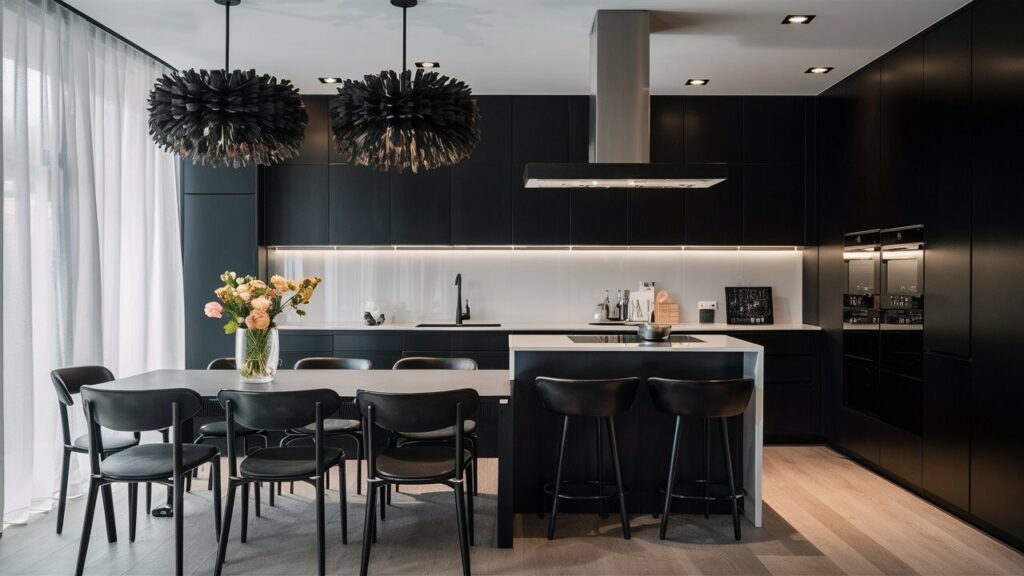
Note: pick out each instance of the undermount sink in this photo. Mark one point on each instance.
(454, 325)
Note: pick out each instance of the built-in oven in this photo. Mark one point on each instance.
(861, 259)
(902, 276)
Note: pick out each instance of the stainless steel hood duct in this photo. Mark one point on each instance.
(620, 117)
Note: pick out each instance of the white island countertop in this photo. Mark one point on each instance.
(562, 343)
(476, 326)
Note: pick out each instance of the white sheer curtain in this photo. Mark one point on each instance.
(92, 270)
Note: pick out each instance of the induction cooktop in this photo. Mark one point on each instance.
(629, 339)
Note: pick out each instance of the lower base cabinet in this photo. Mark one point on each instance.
(946, 468)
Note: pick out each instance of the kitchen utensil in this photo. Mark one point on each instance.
(651, 332)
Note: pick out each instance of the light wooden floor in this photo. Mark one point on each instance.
(824, 515)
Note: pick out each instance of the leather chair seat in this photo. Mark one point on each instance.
(468, 427)
(219, 429)
(333, 426)
(154, 461)
(419, 463)
(111, 441)
(287, 462)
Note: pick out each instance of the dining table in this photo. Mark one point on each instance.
(493, 386)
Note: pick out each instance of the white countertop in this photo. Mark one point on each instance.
(542, 327)
(562, 343)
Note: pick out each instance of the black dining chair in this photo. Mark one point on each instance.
(418, 463)
(446, 434)
(281, 411)
(337, 426)
(68, 382)
(168, 464)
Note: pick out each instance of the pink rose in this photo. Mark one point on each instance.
(280, 284)
(213, 309)
(257, 320)
(260, 304)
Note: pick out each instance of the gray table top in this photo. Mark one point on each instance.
(488, 383)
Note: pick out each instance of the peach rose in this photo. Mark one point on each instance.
(279, 283)
(244, 294)
(257, 320)
(213, 309)
(260, 304)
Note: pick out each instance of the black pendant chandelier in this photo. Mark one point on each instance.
(397, 121)
(227, 117)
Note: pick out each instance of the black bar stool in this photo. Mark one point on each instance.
(710, 400)
(600, 399)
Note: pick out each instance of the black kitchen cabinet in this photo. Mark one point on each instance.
(946, 176)
(495, 131)
(209, 248)
(714, 216)
(712, 129)
(360, 206)
(862, 105)
(667, 129)
(900, 113)
(899, 453)
(295, 205)
(481, 204)
(773, 205)
(579, 129)
(420, 207)
(858, 434)
(655, 217)
(998, 251)
(540, 215)
(315, 145)
(773, 130)
(540, 129)
(598, 216)
(197, 179)
(946, 469)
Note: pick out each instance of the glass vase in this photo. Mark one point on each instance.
(257, 353)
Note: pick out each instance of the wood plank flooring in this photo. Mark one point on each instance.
(823, 515)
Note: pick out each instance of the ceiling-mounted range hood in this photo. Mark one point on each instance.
(620, 117)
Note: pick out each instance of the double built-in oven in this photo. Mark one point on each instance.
(883, 318)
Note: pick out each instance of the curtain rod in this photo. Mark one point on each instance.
(99, 25)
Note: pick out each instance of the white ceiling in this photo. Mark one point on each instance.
(527, 46)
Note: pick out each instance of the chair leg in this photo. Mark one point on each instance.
(321, 554)
(291, 487)
(359, 466)
(618, 477)
(256, 498)
(558, 479)
(327, 479)
(707, 469)
(602, 505)
(179, 525)
(389, 493)
(469, 505)
(108, 512)
(368, 521)
(343, 502)
(460, 513)
(133, 504)
(385, 488)
(215, 473)
(63, 500)
(670, 485)
(244, 530)
(90, 511)
(222, 549)
(732, 481)
(149, 497)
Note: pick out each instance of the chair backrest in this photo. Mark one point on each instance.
(569, 397)
(701, 398)
(68, 381)
(279, 410)
(419, 411)
(140, 410)
(333, 363)
(432, 363)
(226, 363)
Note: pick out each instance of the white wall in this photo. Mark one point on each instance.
(530, 286)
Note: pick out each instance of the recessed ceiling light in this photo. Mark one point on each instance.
(428, 64)
(330, 80)
(798, 19)
(697, 82)
(818, 70)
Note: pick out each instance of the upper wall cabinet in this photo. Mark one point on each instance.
(579, 128)
(862, 198)
(295, 205)
(360, 206)
(314, 148)
(481, 204)
(900, 108)
(540, 129)
(197, 179)
(667, 129)
(655, 217)
(495, 131)
(946, 179)
(773, 204)
(598, 217)
(712, 129)
(714, 216)
(773, 130)
(420, 207)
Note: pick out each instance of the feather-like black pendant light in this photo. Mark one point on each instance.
(222, 117)
(397, 121)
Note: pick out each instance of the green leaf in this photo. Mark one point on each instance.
(230, 327)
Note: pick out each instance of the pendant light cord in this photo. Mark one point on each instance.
(227, 34)
(404, 9)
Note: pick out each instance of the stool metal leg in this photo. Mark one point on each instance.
(732, 481)
(707, 468)
(618, 477)
(603, 510)
(558, 479)
(670, 486)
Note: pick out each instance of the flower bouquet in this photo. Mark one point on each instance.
(251, 306)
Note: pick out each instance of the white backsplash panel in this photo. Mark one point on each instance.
(530, 285)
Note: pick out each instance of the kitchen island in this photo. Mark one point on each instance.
(644, 433)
